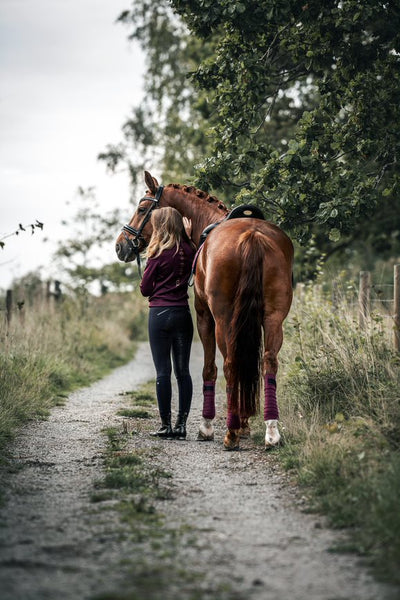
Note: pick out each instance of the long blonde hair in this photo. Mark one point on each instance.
(167, 231)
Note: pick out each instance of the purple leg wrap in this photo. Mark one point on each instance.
(209, 399)
(232, 420)
(270, 407)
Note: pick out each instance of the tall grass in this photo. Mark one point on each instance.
(339, 398)
(55, 348)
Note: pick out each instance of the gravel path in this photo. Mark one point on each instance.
(251, 531)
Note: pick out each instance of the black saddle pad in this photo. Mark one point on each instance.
(246, 211)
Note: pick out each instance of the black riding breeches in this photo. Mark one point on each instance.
(171, 333)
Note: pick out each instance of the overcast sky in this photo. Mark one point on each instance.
(68, 79)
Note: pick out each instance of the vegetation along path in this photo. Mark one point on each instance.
(220, 525)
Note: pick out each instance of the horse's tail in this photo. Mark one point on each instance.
(245, 339)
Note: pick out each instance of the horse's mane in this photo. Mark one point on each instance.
(204, 196)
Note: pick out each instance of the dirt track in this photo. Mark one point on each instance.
(253, 539)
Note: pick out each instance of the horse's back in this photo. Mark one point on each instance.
(244, 248)
(224, 246)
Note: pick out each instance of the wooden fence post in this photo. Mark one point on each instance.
(8, 307)
(396, 308)
(47, 292)
(335, 295)
(364, 297)
(57, 290)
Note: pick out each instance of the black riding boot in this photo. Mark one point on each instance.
(165, 430)
(180, 426)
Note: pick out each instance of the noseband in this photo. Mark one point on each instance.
(134, 242)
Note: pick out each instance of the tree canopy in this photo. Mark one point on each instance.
(290, 105)
(341, 160)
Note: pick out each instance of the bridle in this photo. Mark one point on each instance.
(134, 242)
(137, 233)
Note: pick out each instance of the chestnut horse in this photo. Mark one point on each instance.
(243, 287)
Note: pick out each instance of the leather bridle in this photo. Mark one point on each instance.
(134, 242)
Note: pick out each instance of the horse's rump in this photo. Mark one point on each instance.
(245, 347)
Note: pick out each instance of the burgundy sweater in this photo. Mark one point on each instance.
(165, 278)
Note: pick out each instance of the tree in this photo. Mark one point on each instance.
(173, 128)
(80, 254)
(21, 228)
(277, 111)
(341, 163)
(168, 131)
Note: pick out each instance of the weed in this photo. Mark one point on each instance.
(134, 413)
(124, 460)
(101, 496)
(144, 396)
(114, 439)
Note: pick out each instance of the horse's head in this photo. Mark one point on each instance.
(135, 236)
(197, 205)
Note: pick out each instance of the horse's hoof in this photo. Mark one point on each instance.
(201, 437)
(231, 440)
(206, 431)
(272, 435)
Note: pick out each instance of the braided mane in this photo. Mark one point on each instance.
(189, 189)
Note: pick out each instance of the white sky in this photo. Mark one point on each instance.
(68, 80)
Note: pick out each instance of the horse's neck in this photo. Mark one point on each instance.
(198, 210)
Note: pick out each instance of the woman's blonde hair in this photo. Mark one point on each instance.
(167, 231)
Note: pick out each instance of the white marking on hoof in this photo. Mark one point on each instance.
(272, 435)
(206, 430)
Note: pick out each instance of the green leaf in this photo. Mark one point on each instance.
(334, 235)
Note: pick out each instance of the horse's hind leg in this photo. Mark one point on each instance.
(244, 430)
(273, 341)
(206, 329)
(233, 422)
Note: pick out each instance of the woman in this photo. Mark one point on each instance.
(165, 281)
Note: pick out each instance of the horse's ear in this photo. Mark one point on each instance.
(151, 182)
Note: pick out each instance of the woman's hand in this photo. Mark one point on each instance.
(187, 223)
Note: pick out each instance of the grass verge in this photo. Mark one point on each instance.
(57, 349)
(339, 401)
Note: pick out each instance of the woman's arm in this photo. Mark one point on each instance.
(149, 277)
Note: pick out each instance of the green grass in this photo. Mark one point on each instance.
(54, 351)
(143, 397)
(132, 484)
(140, 402)
(129, 471)
(338, 391)
(134, 413)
